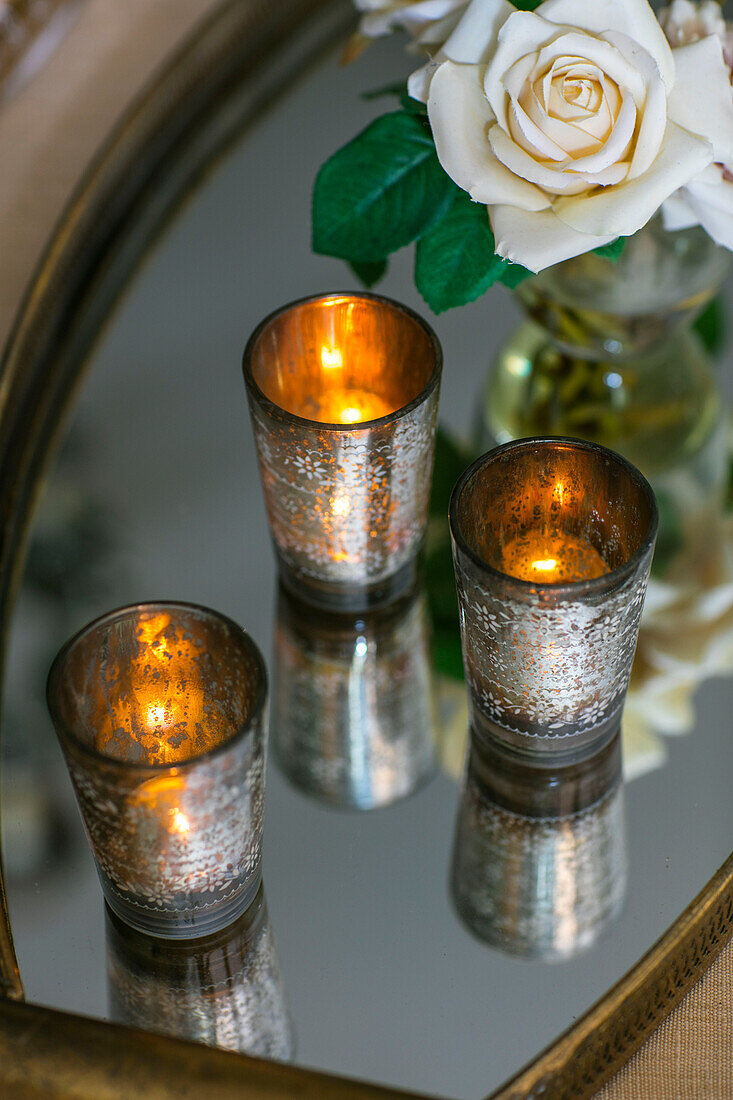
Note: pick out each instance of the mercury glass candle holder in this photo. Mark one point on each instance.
(552, 546)
(539, 860)
(224, 990)
(353, 711)
(160, 711)
(343, 393)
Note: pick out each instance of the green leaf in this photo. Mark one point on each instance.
(447, 656)
(455, 261)
(710, 326)
(613, 250)
(369, 272)
(514, 274)
(527, 5)
(450, 462)
(414, 106)
(670, 536)
(379, 192)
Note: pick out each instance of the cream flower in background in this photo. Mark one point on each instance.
(428, 21)
(708, 199)
(685, 21)
(574, 123)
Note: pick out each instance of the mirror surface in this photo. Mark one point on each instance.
(155, 495)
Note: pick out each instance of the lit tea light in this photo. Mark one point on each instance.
(552, 559)
(343, 393)
(162, 798)
(141, 699)
(159, 715)
(548, 662)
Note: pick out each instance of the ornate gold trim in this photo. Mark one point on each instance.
(53, 1054)
(230, 69)
(594, 1048)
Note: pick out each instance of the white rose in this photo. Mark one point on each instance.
(574, 123)
(428, 21)
(708, 199)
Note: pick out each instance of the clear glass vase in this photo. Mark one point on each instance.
(608, 353)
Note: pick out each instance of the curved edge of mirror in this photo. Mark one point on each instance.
(75, 286)
(228, 70)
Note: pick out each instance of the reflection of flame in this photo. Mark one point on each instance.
(340, 505)
(151, 633)
(545, 564)
(162, 796)
(350, 415)
(558, 493)
(331, 357)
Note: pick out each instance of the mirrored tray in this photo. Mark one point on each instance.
(155, 494)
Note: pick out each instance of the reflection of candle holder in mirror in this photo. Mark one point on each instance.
(160, 711)
(552, 544)
(353, 718)
(343, 392)
(539, 861)
(224, 990)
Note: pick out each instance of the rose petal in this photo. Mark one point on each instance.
(418, 83)
(474, 39)
(437, 33)
(702, 97)
(676, 214)
(538, 240)
(522, 34)
(617, 143)
(633, 18)
(712, 204)
(524, 129)
(530, 137)
(527, 167)
(460, 116)
(565, 134)
(606, 177)
(624, 209)
(515, 79)
(414, 18)
(654, 116)
(597, 51)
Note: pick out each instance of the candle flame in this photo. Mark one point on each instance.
(181, 823)
(156, 716)
(350, 415)
(331, 358)
(544, 565)
(340, 505)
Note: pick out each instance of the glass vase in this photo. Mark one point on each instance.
(608, 353)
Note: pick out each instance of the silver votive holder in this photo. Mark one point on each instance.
(224, 990)
(353, 704)
(160, 712)
(552, 546)
(343, 394)
(539, 860)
